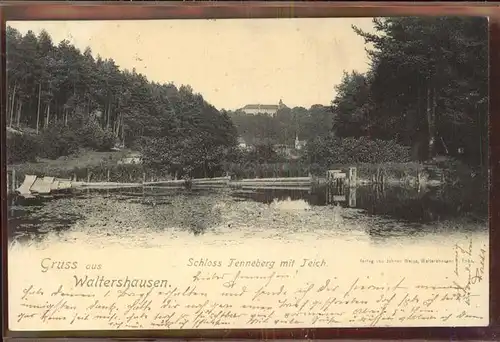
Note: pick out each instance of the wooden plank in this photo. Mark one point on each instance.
(48, 180)
(339, 198)
(109, 185)
(269, 184)
(34, 187)
(284, 179)
(226, 178)
(24, 189)
(208, 186)
(210, 182)
(167, 182)
(40, 187)
(277, 187)
(64, 184)
(332, 173)
(54, 185)
(43, 186)
(75, 184)
(339, 175)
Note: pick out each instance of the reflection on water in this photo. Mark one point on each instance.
(373, 211)
(399, 203)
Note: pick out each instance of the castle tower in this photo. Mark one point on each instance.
(281, 104)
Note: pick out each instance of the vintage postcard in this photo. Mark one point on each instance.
(237, 173)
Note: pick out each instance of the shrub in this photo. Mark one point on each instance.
(108, 140)
(93, 136)
(261, 153)
(22, 148)
(331, 150)
(57, 141)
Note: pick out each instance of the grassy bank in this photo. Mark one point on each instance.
(95, 166)
(81, 160)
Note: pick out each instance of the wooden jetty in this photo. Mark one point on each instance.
(291, 183)
(335, 179)
(216, 182)
(45, 186)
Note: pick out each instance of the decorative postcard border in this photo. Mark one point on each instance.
(211, 10)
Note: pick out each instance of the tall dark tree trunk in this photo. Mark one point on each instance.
(11, 116)
(108, 117)
(38, 107)
(480, 126)
(431, 123)
(416, 139)
(434, 121)
(116, 125)
(47, 117)
(19, 111)
(123, 132)
(9, 112)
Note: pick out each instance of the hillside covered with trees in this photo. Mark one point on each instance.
(63, 100)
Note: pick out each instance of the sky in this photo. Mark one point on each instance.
(231, 62)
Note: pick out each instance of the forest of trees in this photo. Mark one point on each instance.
(425, 94)
(427, 88)
(63, 100)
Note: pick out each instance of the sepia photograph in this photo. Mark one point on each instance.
(247, 173)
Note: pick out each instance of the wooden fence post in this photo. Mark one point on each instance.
(143, 187)
(353, 177)
(88, 181)
(352, 197)
(14, 183)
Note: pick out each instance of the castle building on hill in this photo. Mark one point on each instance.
(254, 109)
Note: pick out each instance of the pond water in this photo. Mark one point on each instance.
(373, 214)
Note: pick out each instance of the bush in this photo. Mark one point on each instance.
(57, 141)
(60, 140)
(22, 148)
(93, 136)
(108, 140)
(331, 150)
